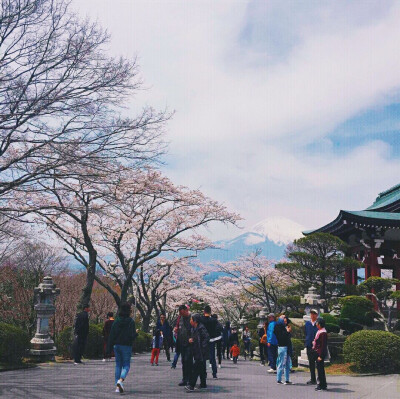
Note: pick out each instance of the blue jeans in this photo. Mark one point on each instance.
(212, 358)
(176, 357)
(272, 355)
(283, 363)
(123, 355)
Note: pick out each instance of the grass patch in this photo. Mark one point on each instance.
(341, 369)
(24, 365)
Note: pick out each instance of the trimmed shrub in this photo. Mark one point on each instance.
(298, 346)
(64, 343)
(94, 343)
(142, 343)
(298, 332)
(14, 343)
(335, 346)
(349, 327)
(329, 319)
(355, 308)
(332, 328)
(294, 315)
(373, 351)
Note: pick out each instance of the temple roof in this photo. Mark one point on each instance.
(384, 212)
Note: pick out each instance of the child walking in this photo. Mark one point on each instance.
(156, 345)
(235, 352)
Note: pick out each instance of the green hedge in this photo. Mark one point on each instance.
(332, 328)
(142, 342)
(14, 344)
(356, 309)
(329, 319)
(349, 327)
(94, 343)
(373, 351)
(298, 346)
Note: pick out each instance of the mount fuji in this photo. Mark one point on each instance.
(271, 235)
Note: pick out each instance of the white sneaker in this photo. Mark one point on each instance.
(271, 371)
(104, 360)
(117, 389)
(219, 366)
(120, 386)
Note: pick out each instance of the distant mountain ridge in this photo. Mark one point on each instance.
(271, 235)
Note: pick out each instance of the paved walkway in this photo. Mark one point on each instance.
(244, 380)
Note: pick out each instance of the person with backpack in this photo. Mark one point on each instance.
(123, 333)
(218, 342)
(201, 352)
(211, 325)
(272, 343)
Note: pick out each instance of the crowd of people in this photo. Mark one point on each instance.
(200, 337)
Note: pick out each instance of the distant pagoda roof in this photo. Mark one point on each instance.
(384, 212)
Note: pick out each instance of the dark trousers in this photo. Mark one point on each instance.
(166, 347)
(199, 370)
(263, 352)
(78, 347)
(219, 351)
(235, 358)
(212, 358)
(272, 356)
(187, 363)
(321, 374)
(311, 362)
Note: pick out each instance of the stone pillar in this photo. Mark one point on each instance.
(42, 346)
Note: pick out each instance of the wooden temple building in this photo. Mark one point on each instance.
(372, 234)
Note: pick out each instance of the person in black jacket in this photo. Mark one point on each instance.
(211, 325)
(200, 348)
(123, 333)
(81, 331)
(262, 333)
(163, 325)
(226, 332)
(218, 342)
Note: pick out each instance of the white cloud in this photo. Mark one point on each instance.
(242, 120)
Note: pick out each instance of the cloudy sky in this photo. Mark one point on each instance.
(283, 108)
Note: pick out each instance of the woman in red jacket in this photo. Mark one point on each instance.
(320, 347)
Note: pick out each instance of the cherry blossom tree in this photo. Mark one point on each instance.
(61, 97)
(258, 278)
(136, 217)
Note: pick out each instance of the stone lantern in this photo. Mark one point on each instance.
(263, 315)
(312, 300)
(42, 346)
(242, 323)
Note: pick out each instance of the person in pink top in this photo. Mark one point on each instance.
(320, 347)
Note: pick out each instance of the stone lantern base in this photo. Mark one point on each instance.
(42, 349)
(302, 360)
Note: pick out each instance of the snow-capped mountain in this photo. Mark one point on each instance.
(271, 235)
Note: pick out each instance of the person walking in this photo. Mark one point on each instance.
(226, 332)
(218, 342)
(262, 333)
(320, 347)
(201, 352)
(211, 325)
(177, 350)
(106, 334)
(235, 352)
(164, 327)
(157, 343)
(123, 333)
(183, 331)
(282, 334)
(81, 331)
(246, 338)
(310, 332)
(272, 343)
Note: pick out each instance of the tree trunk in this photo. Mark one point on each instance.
(87, 289)
(146, 323)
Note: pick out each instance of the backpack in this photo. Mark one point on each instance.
(263, 339)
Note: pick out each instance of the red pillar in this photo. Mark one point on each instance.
(354, 277)
(396, 274)
(348, 276)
